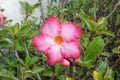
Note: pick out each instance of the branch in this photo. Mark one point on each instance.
(117, 4)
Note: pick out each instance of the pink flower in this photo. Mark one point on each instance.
(58, 42)
(1, 18)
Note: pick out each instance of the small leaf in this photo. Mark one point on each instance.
(116, 50)
(102, 22)
(12, 62)
(58, 69)
(6, 74)
(61, 77)
(102, 66)
(107, 33)
(21, 61)
(9, 29)
(47, 73)
(18, 44)
(95, 47)
(27, 60)
(26, 27)
(109, 74)
(33, 61)
(16, 28)
(36, 6)
(37, 69)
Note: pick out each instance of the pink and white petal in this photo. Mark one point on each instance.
(70, 31)
(42, 42)
(71, 49)
(54, 55)
(52, 26)
(65, 62)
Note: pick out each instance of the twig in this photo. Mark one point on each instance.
(1, 52)
(16, 54)
(25, 46)
(117, 4)
(38, 76)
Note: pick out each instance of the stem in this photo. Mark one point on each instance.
(16, 54)
(113, 9)
(38, 76)
(25, 46)
(1, 52)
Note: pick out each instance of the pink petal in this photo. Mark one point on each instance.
(65, 62)
(70, 31)
(52, 26)
(71, 49)
(1, 18)
(42, 42)
(54, 55)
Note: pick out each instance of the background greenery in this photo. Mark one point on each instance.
(100, 42)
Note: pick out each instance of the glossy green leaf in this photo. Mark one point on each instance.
(48, 73)
(102, 66)
(33, 71)
(107, 33)
(27, 60)
(36, 6)
(58, 68)
(33, 61)
(116, 50)
(18, 44)
(16, 28)
(61, 77)
(21, 61)
(94, 49)
(26, 27)
(102, 22)
(109, 74)
(12, 62)
(9, 29)
(37, 69)
(6, 74)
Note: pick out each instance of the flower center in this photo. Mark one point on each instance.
(58, 39)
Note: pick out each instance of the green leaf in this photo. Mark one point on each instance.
(3, 34)
(16, 28)
(61, 77)
(12, 62)
(36, 6)
(9, 29)
(6, 74)
(33, 61)
(47, 73)
(27, 60)
(4, 44)
(21, 61)
(34, 70)
(26, 27)
(116, 50)
(102, 22)
(102, 66)
(37, 69)
(18, 44)
(95, 47)
(25, 6)
(109, 74)
(58, 68)
(107, 33)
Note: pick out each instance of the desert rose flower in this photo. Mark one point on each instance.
(58, 42)
(1, 18)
